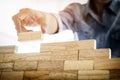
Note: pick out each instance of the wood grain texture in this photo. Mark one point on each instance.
(102, 53)
(115, 74)
(21, 66)
(7, 49)
(63, 75)
(50, 75)
(25, 36)
(1, 57)
(86, 54)
(78, 65)
(107, 63)
(6, 66)
(0, 74)
(7, 70)
(92, 54)
(36, 75)
(27, 57)
(64, 55)
(93, 75)
(12, 75)
(51, 65)
(73, 45)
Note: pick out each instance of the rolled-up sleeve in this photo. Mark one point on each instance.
(67, 17)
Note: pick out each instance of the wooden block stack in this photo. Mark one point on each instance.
(76, 60)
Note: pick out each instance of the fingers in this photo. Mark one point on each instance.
(28, 17)
(21, 19)
(18, 24)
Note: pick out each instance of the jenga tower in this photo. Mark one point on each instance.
(75, 60)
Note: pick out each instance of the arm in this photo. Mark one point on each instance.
(48, 22)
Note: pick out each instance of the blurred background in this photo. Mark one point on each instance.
(8, 34)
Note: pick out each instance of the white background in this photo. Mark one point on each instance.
(8, 8)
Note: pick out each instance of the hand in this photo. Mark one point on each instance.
(28, 17)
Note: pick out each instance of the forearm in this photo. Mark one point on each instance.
(51, 24)
(48, 22)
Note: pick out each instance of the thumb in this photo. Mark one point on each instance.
(43, 29)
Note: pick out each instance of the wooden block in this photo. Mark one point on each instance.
(27, 57)
(0, 74)
(64, 55)
(63, 75)
(7, 70)
(25, 36)
(93, 75)
(92, 54)
(6, 66)
(1, 57)
(115, 74)
(36, 75)
(107, 63)
(7, 49)
(86, 54)
(20, 66)
(78, 65)
(50, 65)
(102, 53)
(12, 75)
(50, 75)
(73, 45)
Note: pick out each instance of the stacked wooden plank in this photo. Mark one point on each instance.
(8, 49)
(27, 36)
(76, 60)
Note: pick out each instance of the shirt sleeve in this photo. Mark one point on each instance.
(69, 16)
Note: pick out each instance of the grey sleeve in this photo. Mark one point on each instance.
(69, 16)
